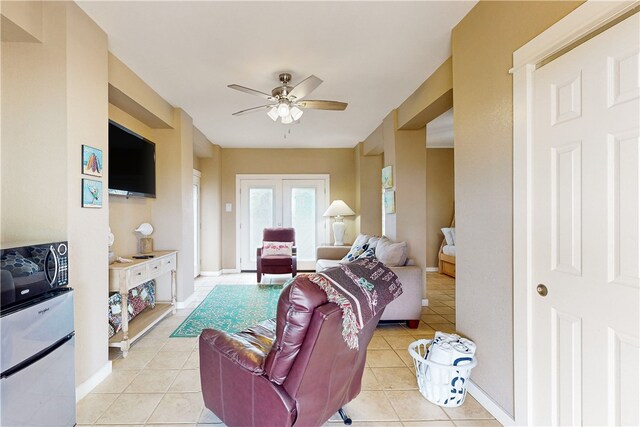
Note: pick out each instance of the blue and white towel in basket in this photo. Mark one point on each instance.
(451, 350)
(443, 366)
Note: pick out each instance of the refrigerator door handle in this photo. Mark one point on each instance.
(36, 357)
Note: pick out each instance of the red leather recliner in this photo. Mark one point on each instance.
(277, 264)
(294, 370)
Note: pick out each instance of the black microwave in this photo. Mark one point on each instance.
(27, 272)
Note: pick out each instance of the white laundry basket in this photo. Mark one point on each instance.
(441, 384)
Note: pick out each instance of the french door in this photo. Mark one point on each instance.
(282, 201)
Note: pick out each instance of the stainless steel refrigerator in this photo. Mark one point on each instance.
(37, 380)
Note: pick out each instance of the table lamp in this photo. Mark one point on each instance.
(338, 209)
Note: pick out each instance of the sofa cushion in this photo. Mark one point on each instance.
(323, 264)
(392, 254)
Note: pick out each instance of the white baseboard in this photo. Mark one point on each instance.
(230, 271)
(85, 388)
(432, 269)
(185, 303)
(211, 273)
(490, 405)
(425, 302)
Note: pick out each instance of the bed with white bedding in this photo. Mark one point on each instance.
(447, 255)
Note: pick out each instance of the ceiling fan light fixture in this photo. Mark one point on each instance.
(283, 109)
(296, 113)
(287, 119)
(273, 113)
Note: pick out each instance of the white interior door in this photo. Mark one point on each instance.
(196, 223)
(304, 202)
(282, 201)
(585, 233)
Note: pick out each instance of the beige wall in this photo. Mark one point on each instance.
(368, 197)
(87, 109)
(389, 159)
(431, 99)
(211, 212)
(137, 107)
(126, 214)
(54, 99)
(34, 151)
(337, 162)
(440, 197)
(411, 196)
(172, 213)
(21, 21)
(130, 93)
(482, 46)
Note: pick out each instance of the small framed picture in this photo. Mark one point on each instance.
(91, 161)
(390, 201)
(387, 177)
(91, 193)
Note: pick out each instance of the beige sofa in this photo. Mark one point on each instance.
(408, 307)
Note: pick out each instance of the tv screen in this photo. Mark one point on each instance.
(132, 163)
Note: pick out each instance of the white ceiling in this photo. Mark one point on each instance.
(440, 131)
(372, 55)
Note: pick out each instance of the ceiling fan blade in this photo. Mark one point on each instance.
(305, 87)
(251, 110)
(251, 91)
(323, 105)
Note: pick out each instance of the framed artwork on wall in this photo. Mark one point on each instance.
(91, 193)
(387, 177)
(390, 201)
(91, 161)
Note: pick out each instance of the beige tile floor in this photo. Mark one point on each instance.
(158, 383)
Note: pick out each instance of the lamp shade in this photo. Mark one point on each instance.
(338, 208)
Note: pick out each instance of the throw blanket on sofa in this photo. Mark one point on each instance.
(361, 289)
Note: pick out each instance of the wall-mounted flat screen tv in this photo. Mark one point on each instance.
(132, 163)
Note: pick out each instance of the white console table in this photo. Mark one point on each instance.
(125, 276)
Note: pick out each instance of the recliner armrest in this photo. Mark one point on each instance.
(248, 349)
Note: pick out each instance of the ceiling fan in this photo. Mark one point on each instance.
(287, 102)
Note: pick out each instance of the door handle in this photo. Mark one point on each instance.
(542, 290)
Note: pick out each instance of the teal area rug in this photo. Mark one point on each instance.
(231, 308)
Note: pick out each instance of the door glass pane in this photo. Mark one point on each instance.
(303, 219)
(260, 216)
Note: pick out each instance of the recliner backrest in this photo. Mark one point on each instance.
(279, 235)
(295, 310)
(326, 373)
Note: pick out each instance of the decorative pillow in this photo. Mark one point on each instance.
(277, 248)
(359, 246)
(38, 255)
(355, 252)
(361, 240)
(373, 242)
(17, 265)
(369, 253)
(391, 254)
(448, 236)
(453, 235)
